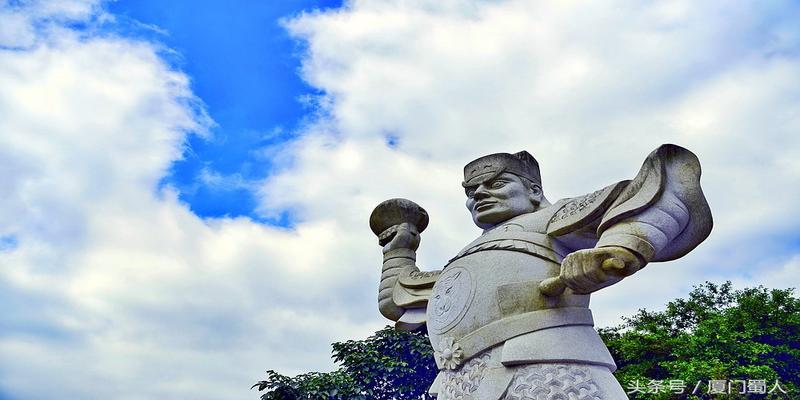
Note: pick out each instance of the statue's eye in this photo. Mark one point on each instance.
(470, 192)
(497, 184)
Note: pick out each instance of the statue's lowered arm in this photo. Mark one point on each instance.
(404, 289)
(660, 215)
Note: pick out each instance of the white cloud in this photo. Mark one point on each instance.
(589, 89)
(114, 289)
(26, 22)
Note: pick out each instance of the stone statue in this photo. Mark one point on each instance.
(508, 316)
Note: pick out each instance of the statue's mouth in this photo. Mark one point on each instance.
(483, 205)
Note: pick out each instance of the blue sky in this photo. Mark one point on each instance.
(245, 68)
(187, 184)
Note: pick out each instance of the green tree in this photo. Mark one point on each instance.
(717, 333)
(386, 366)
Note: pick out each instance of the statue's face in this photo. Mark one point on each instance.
(500, 199)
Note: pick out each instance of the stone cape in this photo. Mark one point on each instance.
(496, 335)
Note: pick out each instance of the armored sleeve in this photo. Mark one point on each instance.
(404, 289)
(662, 213)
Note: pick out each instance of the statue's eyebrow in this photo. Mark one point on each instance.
(499, 178)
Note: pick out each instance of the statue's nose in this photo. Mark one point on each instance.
(480, 193)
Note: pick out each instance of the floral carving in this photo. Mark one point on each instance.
(449, 354)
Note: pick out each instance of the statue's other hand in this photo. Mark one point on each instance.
(403, 236)
(586, 271)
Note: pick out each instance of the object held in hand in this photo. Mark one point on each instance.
(389, 214)
(555, 286)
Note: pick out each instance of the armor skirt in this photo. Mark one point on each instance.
(485, 378)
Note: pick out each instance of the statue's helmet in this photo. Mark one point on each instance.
(488, 167)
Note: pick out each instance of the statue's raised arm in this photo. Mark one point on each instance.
(404, 289)
(508, 317)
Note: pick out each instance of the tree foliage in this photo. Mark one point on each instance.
(387, 365)
(716, 333)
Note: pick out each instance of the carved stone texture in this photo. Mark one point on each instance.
(466, 380)
(448, 305)
(554, 382)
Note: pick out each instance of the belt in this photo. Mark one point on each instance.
(453, 352)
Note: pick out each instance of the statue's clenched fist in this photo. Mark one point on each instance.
(586, 271)
(403, 236)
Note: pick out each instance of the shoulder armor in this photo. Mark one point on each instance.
(413, 278)
(643, 190)
(578, 212)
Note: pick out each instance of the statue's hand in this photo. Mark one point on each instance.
(586, 271)
(403, 236)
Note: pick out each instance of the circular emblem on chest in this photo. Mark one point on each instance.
(450, 299)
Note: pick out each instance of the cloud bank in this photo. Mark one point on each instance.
(111, 288)
(589, 89)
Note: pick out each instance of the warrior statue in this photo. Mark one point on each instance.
(508, 316)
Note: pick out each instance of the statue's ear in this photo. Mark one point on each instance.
(535, 194)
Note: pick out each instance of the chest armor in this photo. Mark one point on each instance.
(489, 293)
